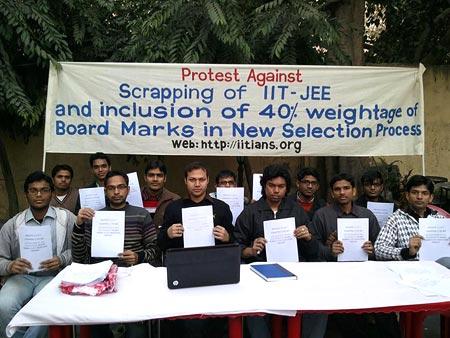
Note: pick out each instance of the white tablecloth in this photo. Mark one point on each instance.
(143, 294)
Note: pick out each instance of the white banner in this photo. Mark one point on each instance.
(235, 110)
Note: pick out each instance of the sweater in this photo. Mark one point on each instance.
(140, 237)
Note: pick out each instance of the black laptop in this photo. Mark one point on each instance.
(203, 266)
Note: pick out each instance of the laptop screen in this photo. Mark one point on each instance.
(203, 266)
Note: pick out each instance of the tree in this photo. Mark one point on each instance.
(32, 34)
(408, 31)
(232, 31)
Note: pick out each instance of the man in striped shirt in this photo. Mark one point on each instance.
(139, 244)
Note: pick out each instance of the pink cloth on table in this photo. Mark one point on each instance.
(107, 285)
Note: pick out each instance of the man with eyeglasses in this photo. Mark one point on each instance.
(306, 195)
(226, 179)
(373, 185)
(140, 233)
(154, 195)
(23, 281)
(139, 242)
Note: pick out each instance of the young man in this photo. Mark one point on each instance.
(139, 243)
(140, 234)
(171, 236)
(343, 191)
(21, 284)
(399, 239)
(249, 232)
(307, 186)
(196, 179)
(64, 195)
(100, 166)
(226, 179)
(373, 185)
(154, 195)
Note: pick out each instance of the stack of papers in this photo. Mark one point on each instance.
(84, 274)
(426, 280)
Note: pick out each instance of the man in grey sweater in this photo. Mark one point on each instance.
(23, 280)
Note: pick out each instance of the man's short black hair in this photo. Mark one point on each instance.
(225, 173)
(273, 171)
(342, 177)
(156, 164)
(371, 176)
(37, 176)
(113, 173)
(307, 171)
(57, 168)
(418, 180)
(99, 156)
(193, 166)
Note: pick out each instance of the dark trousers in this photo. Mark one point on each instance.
(367, 325)
(195, 328)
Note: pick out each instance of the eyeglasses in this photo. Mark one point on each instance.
(112, 188)
(35, 192)
(306, 182)
(375, 184)
(226, 183)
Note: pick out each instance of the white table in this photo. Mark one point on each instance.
(143, 294)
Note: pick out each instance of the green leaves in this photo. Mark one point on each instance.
(229, 31)
(29, 37)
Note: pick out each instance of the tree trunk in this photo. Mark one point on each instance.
(350, 17)
(13, 207)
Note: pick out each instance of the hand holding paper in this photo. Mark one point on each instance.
(258, 245)
(337, 248)
(221, 233)
(415, 242)
(85, 214)
(302, 232)
(19, 265)
(129, 257)
(368, 247)
(175, 230)
(51, 264)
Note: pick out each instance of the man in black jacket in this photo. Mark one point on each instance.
(196, 179)
(249, 230)
(273, 204)
(171, 233)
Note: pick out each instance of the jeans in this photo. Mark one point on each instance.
(16, 292)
